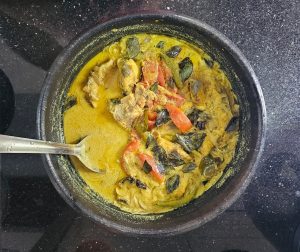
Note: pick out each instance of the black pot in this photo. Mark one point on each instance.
(252, 124)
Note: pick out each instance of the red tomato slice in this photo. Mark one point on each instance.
(166, 70)
(150, 71)
(130, 147)
(150, 160)
(160, 76)
(181, 121)
(178, 99)
(151, 124)
(152, 115)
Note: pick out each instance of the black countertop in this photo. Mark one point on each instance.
(265, 218)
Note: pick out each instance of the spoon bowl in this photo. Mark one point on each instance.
(12, 144)
(84, 157)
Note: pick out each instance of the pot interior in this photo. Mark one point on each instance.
(237, 174)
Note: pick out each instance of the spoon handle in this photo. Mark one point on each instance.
(11, 144)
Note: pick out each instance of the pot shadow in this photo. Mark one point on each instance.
(31, 43)
(273, 200)
(7, 102)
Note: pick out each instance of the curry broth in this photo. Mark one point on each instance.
(130, 187)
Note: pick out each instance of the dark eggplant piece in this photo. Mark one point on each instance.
(209, 62)
(208, 166)
(162, 117)
(147, 168)
(140, 184)
(172, 183)
(174, 159)
(160, 44)
(189, 167)
(173, 51)
(154, 87)
(132, 47)
(190, 141)
(233, 124)
(185, 68)
(70, 102)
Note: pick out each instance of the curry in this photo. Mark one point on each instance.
(165, 120)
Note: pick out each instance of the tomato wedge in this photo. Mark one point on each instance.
(150, 71)
(152, 115)
(150, 160)
(151, 124)
(160, 76)
(130, 147)
(178, 99)
(180, 120)
(151, 119)
(165, 70)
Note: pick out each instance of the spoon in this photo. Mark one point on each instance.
(11, 144)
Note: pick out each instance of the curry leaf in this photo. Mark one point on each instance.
(127, 179)
(160, 154)
(115, 101)
(194, 87)
(70, 102)
(147, 168)
(171, 83)
(160, 44)
(140, 184)
(150, 142)
(162, 117)
(190, 141)
(172, 183)
(185, 68)
(173, 51)
(208, 166)
(174, 69)
(132, 47)
(209, 62)
(198, 118)
(154, 87)
(233, 124)
(188, 167)
(174, 159)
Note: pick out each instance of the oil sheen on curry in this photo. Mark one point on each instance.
(165, 121)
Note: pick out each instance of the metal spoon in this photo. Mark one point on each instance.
(11, 144)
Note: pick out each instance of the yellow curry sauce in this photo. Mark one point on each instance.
(165, 122)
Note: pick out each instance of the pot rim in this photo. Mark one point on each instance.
(194, 223)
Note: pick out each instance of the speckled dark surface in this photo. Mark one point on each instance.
(266, 216)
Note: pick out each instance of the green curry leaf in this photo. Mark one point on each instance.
(132, 47)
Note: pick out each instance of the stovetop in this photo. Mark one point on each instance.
(266, 218)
